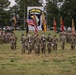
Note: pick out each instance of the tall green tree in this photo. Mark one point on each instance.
(68, 11)
(52, 11)
(4, 16)
(23, 4)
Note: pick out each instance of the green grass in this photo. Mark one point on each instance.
(60, 62)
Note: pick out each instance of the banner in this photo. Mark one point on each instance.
(37, 11)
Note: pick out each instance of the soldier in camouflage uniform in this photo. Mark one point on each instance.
(37, 45)
(13, 40)
(43, 43)
(23, 39)
(63, 40)
(29, 38)
(49, 43)
(55, 40)
(73, 42)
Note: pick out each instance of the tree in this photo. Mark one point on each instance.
(68, 10)
(52, 11)
(23, 4)
(4, 17)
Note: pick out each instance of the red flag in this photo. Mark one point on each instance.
(54, 25)
(62, 24)
(73, 27)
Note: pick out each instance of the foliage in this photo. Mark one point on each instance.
(52, 11)
(68, 10)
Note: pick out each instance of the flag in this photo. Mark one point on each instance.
(43, 22)
(15, 22)
(35, 23)
(62, 24)
(73, 27)
(54, 23)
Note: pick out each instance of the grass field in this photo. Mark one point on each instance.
(60, 62)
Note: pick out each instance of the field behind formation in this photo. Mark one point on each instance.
(60, 62)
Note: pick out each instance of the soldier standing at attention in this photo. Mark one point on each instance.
(49, 43)
(55, 41)
(13, 40)
(63, 40)
(73, 42)
(23, 43)
(29, 38)
(43, 43)
(37, 45)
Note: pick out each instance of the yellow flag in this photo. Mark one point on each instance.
(73, 27)
(43, 21)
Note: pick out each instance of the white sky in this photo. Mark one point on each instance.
(12, 2)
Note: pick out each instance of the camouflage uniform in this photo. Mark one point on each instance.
(37, 45)
(49, 43)
(43, 43)
(23, 43)
(73, 42)
(29, 38)
(63, 40)
(55, 40)
(13, 40)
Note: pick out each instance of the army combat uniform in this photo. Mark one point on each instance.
(63, 40)
(55, 40)
(43, 43)
(13, 40)
(73, 42)
(49, 43)
(23, 39)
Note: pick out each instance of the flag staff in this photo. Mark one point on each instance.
(24, 15)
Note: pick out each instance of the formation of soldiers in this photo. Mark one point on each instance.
(39, 44)
(68, 37)
(8, 37)
(43, 43)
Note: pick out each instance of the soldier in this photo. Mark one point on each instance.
(13, 40)
(37, 45)
(73, 42)
(63, 40)
(55, 40)
(43, 43)
(49, 43)
(23, 43)
(29, 38)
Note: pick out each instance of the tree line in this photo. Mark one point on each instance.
(54, 8)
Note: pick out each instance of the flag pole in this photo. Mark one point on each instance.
(24, 15)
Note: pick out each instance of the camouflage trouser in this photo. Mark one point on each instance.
(55, 46)
(29, 48)
(63, 45)
(43, 47)
(49, 47)
(37, 49)
(13, 46)
(23, 48)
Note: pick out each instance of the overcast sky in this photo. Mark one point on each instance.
(12, 2)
